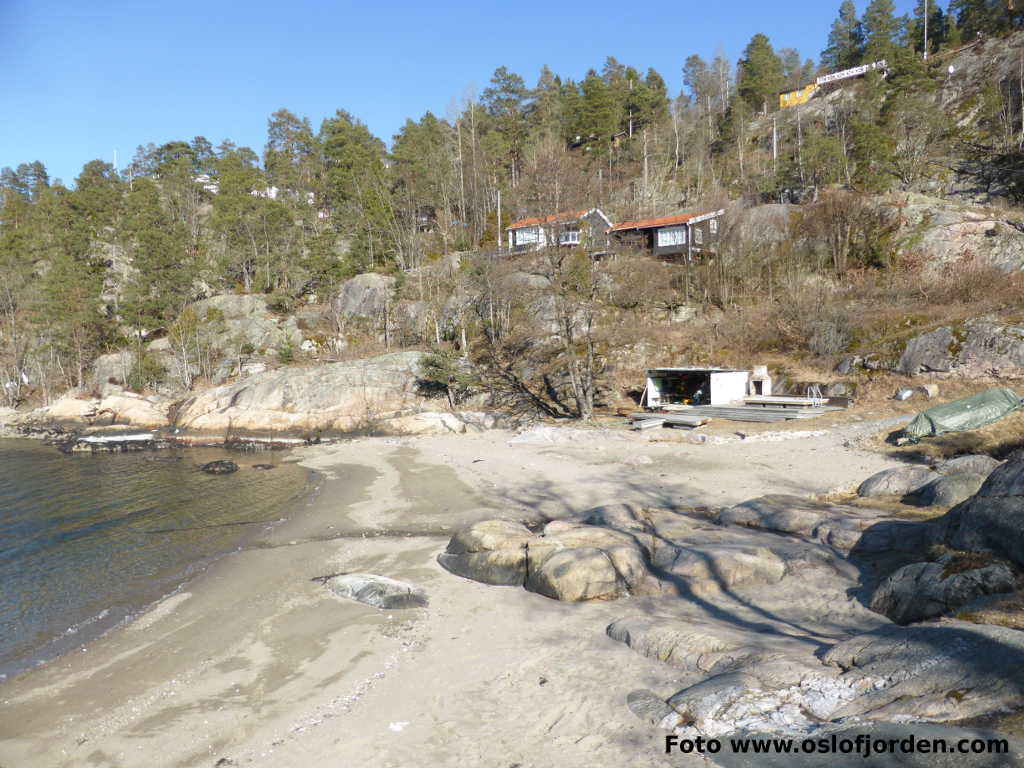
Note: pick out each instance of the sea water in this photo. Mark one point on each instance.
(88, 541)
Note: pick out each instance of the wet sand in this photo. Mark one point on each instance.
(255, 663)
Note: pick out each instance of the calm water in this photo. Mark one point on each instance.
(86, 541)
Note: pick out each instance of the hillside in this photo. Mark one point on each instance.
(861, 230)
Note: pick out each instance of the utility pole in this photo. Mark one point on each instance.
(499, 219)
(775, 145)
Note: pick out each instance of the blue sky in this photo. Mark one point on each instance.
(83, 79)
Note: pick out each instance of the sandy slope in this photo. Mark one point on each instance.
(258, 665)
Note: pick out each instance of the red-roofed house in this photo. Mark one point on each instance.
(689, 234)
(570, 228)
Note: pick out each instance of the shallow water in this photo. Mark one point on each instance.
(86, 541)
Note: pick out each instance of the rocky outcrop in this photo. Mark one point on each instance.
(993, 519)
(117, 408)
(378, 591)
(618, 550)
(926, 590)
(760, 613)
(842, 528)
(110, 372)
(948, 670)
(441, 422)
(343, 397)
(976, 349)
(899, 481)
(365, 296)
(247, 321)
(569, 561)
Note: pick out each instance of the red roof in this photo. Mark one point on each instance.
(558, 218)
(664, 221)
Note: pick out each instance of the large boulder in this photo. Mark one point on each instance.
(131, 409)
(899, 481)
(246, 320)
(344, 397)
(378, 591)
(926, 590)
(993, 519)
(977, 463)
(976, 349)
(71, 407)
(491, 552)
(929, 352)
(950, 490)
(576, 574)
(569, 561)
(110, 372)
(365, 296)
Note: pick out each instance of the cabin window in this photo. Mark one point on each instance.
(569, 237)
(527, 236)
(713, 225)
(698, 236)
(671, 236)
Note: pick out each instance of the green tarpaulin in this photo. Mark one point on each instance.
(960, 415)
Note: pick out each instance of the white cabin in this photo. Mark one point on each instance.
(695, 386)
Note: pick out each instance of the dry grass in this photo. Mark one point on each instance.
(891, 504)
(1000, 610)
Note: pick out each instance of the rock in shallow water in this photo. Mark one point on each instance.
(378, 591)
(221, 467)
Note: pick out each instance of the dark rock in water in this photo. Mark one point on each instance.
(221, 467)
(378, 591)
(262, 466)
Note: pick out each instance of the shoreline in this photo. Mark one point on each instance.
(257, 664)
(125, 609)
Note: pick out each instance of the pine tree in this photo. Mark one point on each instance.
(845, 41)
(162, 264)
(600, 116)
(951, 37)
(760, 74)
(881, 30)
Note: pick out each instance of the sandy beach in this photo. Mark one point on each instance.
(256, 663)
